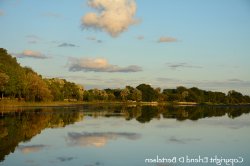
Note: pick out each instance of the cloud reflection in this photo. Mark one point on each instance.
(98, 139)
(95, 164)
(183, 140)
(242, 122)
(64, 159)
(31, 148)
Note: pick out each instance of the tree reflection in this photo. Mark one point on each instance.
(16, 127)
(145, 114)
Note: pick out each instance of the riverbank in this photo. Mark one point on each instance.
(16, 103)
(9, 104)
(13, 103)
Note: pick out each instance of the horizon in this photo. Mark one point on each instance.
(164, 44)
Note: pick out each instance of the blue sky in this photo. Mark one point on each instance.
(165, 43)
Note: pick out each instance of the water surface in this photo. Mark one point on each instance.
(124, 136)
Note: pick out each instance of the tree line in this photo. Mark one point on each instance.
(146, 93)
(25, 84)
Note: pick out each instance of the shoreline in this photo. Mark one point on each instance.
(11, 103)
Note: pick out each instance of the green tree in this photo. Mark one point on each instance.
(148, 93)
(197, 94)
(124, 94)
(56, 88)
(110, 93)
(234, 97)
(4, 78)
(37, 89)
(9, 66)
(136, 95)
(170, 95)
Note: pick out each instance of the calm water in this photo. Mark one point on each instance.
(125, 136)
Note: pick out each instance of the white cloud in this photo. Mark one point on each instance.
(99, 65)
(112, 16)
(31, 54)
(166, 39)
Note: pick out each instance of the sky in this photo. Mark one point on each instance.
(114, 43)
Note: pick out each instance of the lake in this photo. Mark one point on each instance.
(105, 135)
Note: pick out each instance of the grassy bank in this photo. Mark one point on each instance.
(12, 103)
(16, 103)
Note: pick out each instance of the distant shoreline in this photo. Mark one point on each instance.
(12, 104)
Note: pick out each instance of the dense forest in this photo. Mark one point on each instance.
(22, 83)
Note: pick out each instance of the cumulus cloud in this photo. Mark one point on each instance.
(166, 39)
(31, 54)
(31, 148)
(112, 16)
(175, 66)
(98, 139)
(67, 45)
(99, 65)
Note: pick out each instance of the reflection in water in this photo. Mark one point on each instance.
(31, 148)
(173, 139)
(146, 113)
(22, 126)
(18, 127)
(98, 139)
(65, 159)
